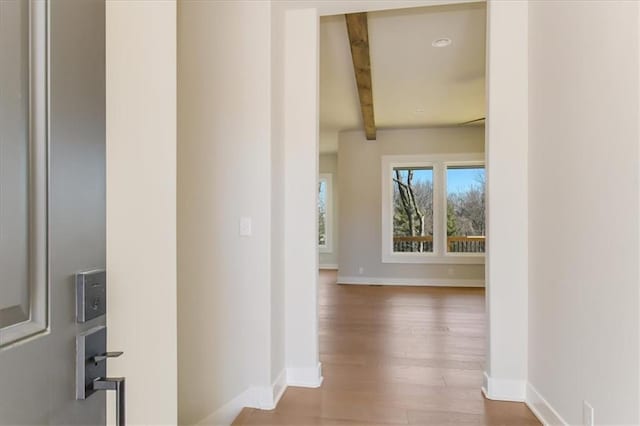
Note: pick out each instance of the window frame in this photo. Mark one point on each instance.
(439, 164)
(328, 220)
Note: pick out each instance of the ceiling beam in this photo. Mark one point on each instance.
(358, 30)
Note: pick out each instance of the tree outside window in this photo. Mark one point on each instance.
(413, 209)
(322, 213)
(466, 228)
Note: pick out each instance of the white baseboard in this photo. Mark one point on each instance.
(521, 391)
(264, 397)
(261, 397)
(329, 266)
(504, 389)
(226, 414)
(431, 282)
(279, 386)
(305, 377)
(547, 415)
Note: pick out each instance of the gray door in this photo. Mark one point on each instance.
(52, 201)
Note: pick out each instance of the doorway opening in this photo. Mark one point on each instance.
(401, 200)
(505, 150)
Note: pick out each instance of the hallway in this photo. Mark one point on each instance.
(396, 355)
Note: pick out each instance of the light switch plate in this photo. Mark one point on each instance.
(91, 295)
(245, 227)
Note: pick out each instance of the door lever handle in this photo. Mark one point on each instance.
(102, 357)
(116, 384)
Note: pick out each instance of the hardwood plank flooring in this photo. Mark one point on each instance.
(396, 356)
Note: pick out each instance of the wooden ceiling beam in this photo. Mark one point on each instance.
(358, 30)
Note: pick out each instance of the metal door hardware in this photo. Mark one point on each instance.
(91, 369)
(103, 357)
(91, 295)
(115, 384)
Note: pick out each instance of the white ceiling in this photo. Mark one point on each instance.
(414, 84)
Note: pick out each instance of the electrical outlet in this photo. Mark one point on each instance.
(361, 270)
(587, 414)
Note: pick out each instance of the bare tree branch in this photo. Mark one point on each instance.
(402, 189)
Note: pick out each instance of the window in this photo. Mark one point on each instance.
(433, 209)
(325, 213)
(465, 209)
(413, 209)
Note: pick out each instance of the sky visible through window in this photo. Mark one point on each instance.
(419, 175)
(460, 179)
(322, 192)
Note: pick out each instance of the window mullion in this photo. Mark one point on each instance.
(438, 235)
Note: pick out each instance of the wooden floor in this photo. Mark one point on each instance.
(396, 356)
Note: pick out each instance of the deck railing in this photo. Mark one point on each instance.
(455, 244)
(413, 244)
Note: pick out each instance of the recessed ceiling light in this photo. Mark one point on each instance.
(441, 42)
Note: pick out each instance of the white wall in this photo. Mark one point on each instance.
(328, 141)
(300, 124)
(224, 166)
(329, 164)
(360, 215)
(277, 199)
(141, 205)
(506, 168)
(583, 183)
